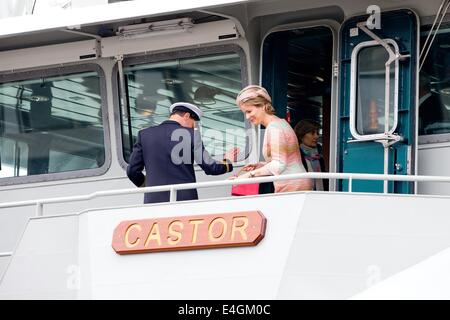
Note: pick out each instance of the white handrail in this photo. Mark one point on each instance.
(173, 188)
(5, 254)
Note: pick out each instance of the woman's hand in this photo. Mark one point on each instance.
(252, 166)
(242, 176)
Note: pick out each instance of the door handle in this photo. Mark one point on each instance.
(390, 139)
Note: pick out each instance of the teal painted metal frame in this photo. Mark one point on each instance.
(365, 157)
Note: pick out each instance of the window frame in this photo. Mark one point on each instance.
(434, 138)
(353, 92)
(65, 71)
(165, 56)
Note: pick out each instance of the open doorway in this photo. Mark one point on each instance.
(297, 72)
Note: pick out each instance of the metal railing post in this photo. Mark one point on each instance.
(173, 194)
(39, 209)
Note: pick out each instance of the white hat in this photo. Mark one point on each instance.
(195, 111)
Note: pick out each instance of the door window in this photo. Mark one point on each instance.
(371, 91)
(368, 90)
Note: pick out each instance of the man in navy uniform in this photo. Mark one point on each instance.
(167, 152)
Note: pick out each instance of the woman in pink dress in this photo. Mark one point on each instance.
(280, 147)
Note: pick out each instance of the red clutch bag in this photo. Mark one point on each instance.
(245, 189)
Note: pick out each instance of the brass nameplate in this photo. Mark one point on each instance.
(232, 229)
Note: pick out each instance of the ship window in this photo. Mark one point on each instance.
(210, 81)
(50, 124)
(434, 89)
(371, 91)
(368, 90)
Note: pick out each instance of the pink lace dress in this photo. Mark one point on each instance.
(282, 155)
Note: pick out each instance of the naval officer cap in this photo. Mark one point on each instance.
(195, 112)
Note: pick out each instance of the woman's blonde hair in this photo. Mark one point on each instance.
(257, 96)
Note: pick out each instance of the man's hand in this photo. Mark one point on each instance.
(232, 154)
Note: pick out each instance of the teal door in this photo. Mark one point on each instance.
(377, 99)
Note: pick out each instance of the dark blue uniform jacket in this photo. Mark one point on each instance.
(167, 152)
